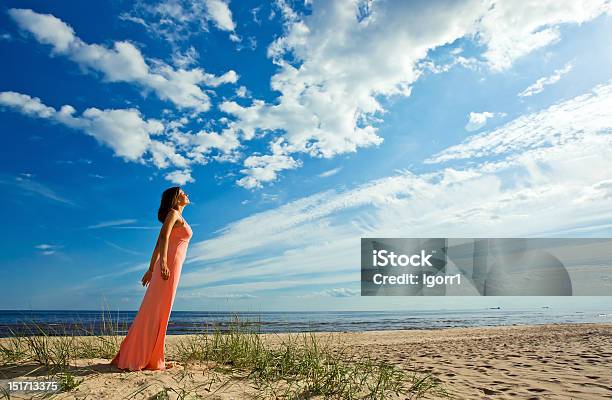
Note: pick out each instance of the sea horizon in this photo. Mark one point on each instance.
(95, 322)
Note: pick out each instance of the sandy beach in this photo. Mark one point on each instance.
(571, 361)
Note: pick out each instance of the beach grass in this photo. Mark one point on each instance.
(56, 346)
(281, 366)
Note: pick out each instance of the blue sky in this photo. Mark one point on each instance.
(296, 128)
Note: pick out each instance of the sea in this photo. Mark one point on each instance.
(78, 322)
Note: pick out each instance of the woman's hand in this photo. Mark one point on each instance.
(165, 272)
(146, 278)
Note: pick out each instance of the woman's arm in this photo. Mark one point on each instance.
(162, 241)
(154, 256)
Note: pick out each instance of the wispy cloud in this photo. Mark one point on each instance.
(30, 186)
(123, 270)
(539, 85)
(123, 249)
(144, 227)
(203, 294)
(47, 249)
(559, 123)
(219, 289)
(112, 223)
(330, 172)
(333, 292)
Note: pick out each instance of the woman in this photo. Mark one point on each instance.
(143, 347)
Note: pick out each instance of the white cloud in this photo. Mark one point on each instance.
(322, 109)
(337, 61)
(226, 141)
(478, 120)
(538, 86)
(164, 155)
(185, 59)
(130, 136)
(47, 249)
(124, 131)
(559, 123)
(242, 91)
(283, 224)
(46, 28)
(27, 105)
(330, 172)
(468, 63)
(228, 77)
(266, 168)
(534, 191)
(122, 63)
(45, 246)
(599, 191)
(178, 20)
(287, 12)
(218, 11)
(309, 237)
(180, 178)
(512, 29)
(531, 191)
(335, 64)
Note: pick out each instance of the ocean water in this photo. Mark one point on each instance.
(59, 322)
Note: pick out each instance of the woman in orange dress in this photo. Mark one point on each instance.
(143, 347)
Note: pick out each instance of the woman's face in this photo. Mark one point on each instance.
(183, 199)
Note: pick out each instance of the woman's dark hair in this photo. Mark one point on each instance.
(169, 200)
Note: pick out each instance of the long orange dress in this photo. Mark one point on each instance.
(143, 347)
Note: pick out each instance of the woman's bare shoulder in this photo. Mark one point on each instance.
(178, 218)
